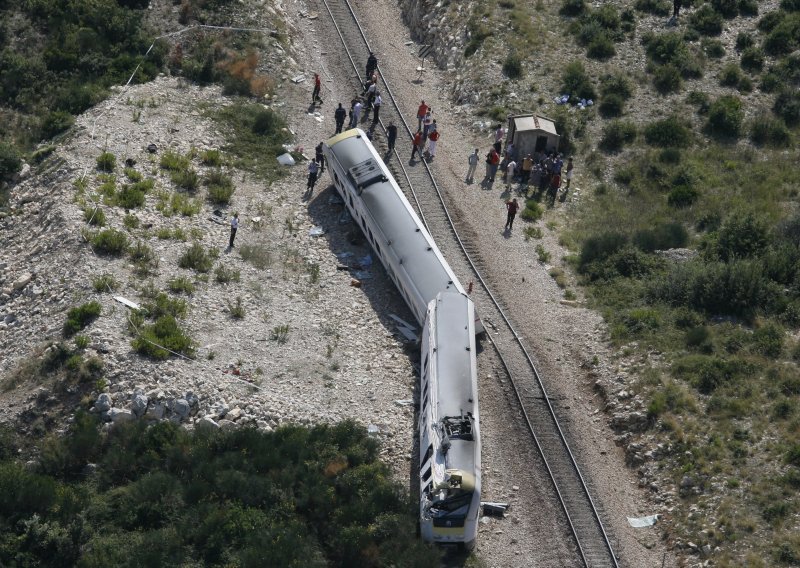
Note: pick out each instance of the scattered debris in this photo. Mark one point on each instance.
(316, 231)
(362, 274)
(152, 148)
(404, 402)
(373, 430)
(640, 522)
(355, 283)
(494, 509)
(126, 302)
(286, 159)
(217, 219)
(298, 79)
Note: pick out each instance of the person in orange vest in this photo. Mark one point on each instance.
(317, 88)
(421, 112)
(417, 144)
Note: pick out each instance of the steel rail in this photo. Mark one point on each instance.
(517, 338)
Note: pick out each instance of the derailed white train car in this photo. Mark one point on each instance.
(449, 432)
(448, 419)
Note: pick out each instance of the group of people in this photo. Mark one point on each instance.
(427, 135)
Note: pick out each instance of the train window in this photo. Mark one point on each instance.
(377, 247)
(428, 453)
(427, 474)
(363, 223)
(335, 178)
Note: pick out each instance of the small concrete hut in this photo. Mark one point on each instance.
(531, 133)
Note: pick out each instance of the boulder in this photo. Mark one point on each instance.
(139, 405)
(180, 407)
(22, 281)
(120, 415)
(155, 412)
(234, 414)
(206, 424)
(227, 425)
(103, 402)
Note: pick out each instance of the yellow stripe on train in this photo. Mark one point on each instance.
(343, 136)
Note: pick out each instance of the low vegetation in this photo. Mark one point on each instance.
(81, 317)
(161, 495)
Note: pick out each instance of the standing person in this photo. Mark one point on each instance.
(317, 88)
(527, 165)
(512, 207)
(495, 162)
(421, 112)
(376, 107)
(356, 114)
(391, 135)
(313, 170)
(320, 157)
(372, 90)
(472, 160)
(234, 227)
(340, 115)
(426, 123)
(417, 144)
(372, 64)
(433, 138)
(511, 171)
(570, 167)
(676, 8)
(499, 134)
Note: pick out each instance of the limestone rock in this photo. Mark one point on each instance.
(103, 402)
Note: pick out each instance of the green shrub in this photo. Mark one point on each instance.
(572, 7)
(212, 158)
(730, 75)
(220, 187)
(181, 284)
(667, 79)
(133, 175)
(748, 7)
(601, 47)
(196, 258)
(728, 8)
(770, 82)
(700, 100)
(55, 123)
(111, 242)
(768, 340)
(616, 134)
(104, 283)
(600, 247)
(130, 197)
(267, 122)
(576, 82)
(752, 58)
(611, 105)
(742, 235)
(106, 162)
(174, 162)
(655, 7)
(532, 212)
(79, 318)
(223, 274)
(159, 339)
(94, 216)
(616, 84)
(705, 20)
(512, 66)
(713, 48)
(682, 196)
(744, 40)
(669, 156)
(257, 255)
(186, 179)
(725, 117)
(707, 373)
(771, 19)
(131, 221)
(783, 38)
(768, 131)
(163, 305)
(10, 161)
(661, 237)
(669, 132)
(787, 106)
(143, 258)
(790, 5)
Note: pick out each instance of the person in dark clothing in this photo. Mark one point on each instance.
(391, 135)
(417, 144)
(372, 64)
(512, 207)
(376, 107)
(320, 157)
(234, 227)
(317, 88)
(340, 115)
(676, 8)
(313, 170)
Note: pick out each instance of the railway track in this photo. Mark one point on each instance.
(583, 515)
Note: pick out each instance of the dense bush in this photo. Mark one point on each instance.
(616, 84)
(79, 318)
(56, 122)
(512, 66)
(110, 242)
(162, 305)
(784, 37)
(713, 48)
(742, 235)
(174, 161)
(572, 7)
(730, 75)
(106, 162)
(667, 79)
(601, 47)
(197, 258)
(707, 373)
(600, 247)
(130, 197)
(768, 131)
(744, 40)
(682, 196)
(220, 187)
(752, 59)
(611, 105)
(661, 237)
(655, 7)
(94, 216)
(725, 117)
(706, 20)
(160, 339)
(575, 81)
(728, 8)
(10, 161)
(787, 106)
(616, 134)
(669, 132)
(748, 7)
(186, 179)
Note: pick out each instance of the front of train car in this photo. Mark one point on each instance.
(450, 467)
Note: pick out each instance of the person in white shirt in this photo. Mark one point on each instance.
(376, 107)
(234, 226)
(473, 164)
(511, 171)
(356, 114)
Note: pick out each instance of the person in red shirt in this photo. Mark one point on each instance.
(494, 162)
(421, 112)
(433, 138)
(512, 207)
(417, 144)
(317, 87)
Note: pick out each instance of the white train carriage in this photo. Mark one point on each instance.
(394, 230)
(449, 433)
